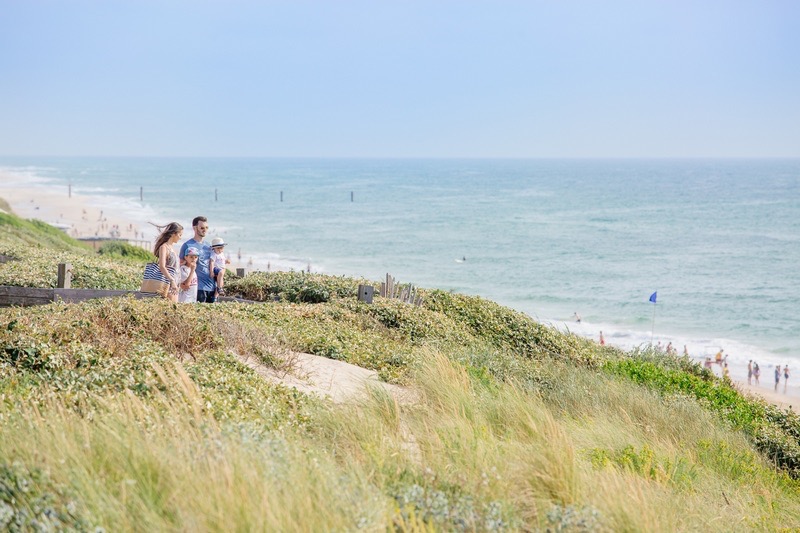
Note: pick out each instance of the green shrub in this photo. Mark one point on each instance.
(516, 331)
(38, 267)
(35, 233)
(292, 287)
(774, 432)
(31, 501)
(116, 249)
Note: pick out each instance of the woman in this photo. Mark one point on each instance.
(167, 258)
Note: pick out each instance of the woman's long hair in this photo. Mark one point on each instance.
(166, 234)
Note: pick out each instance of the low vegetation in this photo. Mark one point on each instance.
(132, 414)
(123, 250)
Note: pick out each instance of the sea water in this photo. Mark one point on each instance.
(718, 240)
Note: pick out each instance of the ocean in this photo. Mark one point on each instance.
(719, 240)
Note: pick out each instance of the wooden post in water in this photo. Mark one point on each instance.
(351, 196)
(281, 196)
(64, 276)
(141, 194)
(215, 195)
(69, 190)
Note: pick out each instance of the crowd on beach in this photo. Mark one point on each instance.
(197, 272)
(721, 360)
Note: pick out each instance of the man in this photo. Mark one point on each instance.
(205, 283)
(786, 378)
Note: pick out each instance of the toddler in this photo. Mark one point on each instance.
(188, 286)
(218, 262)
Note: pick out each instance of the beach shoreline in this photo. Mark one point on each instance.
(79, 215)
(87, 216)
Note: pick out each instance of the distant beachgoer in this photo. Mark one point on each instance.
(602, 339)
(777, 376)
(188, 286)
(218, 262)
(685, 351)
(725, 372)
(707, 363)
(205, 283)
(669, 347)
(577, 317)
(785, 377)
(718, 357)
(750, 372)
(167, 260)
(756, 372)
(239, 255)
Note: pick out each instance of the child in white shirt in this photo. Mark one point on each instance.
(188, 285)
(218, 262)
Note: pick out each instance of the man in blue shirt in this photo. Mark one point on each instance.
(205, 283)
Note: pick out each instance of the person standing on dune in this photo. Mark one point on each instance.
(205, 281)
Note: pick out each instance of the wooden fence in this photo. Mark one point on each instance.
(27, 296)
(408, 293)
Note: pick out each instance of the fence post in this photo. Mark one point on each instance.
(64, 276)
(241, 272)
(365, 293)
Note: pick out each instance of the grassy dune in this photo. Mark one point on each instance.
(137, 415)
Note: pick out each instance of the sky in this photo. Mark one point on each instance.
(523, 79)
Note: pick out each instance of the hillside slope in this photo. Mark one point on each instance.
(132, 415)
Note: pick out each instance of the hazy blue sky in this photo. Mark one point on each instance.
(404, 79)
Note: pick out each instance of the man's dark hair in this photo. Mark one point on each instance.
(197, 220)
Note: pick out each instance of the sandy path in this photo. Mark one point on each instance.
(337, 380)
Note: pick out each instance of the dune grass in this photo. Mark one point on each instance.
(470, 455)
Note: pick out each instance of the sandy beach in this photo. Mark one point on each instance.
(79, 215)
(785, 397)
(86, 216)
(788, 400)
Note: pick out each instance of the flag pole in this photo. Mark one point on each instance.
(653, 327)
(653, 298)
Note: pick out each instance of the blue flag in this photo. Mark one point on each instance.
(653, 297)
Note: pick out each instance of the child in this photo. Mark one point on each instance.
(218, 262)
(188, 293)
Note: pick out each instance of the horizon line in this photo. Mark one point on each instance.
(387, 157)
